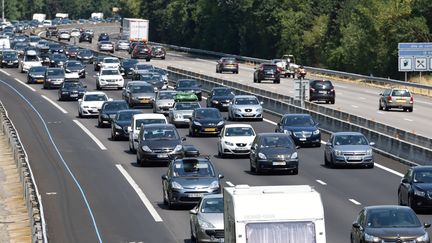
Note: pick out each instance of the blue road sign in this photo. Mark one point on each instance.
(415, 46)
(415, 53)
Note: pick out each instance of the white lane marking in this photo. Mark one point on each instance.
(3, 71)
(28, 86)
(204, 98)
(354, 106)
(55, 104)
(140, 193)
(389, 170)
(271, 122)
(354, 201)
(51, 193)
(321, 182)
(95, 139)
(380, 112)
(229, 183)
(362, 98)
(407, 119)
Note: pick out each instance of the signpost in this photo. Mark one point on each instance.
(301, 87)
(415, 57)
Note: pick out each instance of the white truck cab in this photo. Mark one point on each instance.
(142, 119)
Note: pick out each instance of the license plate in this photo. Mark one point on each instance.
(145, 101)
(210, 129)
(241, 148)
(248, 114)
(354, 158)
(323, 92)
(279, 163)
(39, 81)
(302, 139)
(74, 95)
(400, 101)
(225, 105)
(195, 195)
(162, 155)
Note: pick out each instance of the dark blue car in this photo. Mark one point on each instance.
(302, 128)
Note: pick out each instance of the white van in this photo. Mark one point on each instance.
(4, 42)
(142, 119)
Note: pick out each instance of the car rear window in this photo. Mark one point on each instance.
(401, 93)
(270, 66)
(322, 84)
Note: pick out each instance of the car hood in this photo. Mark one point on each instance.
(240, 139)
(160, 144)
(300, 129)
(183, 112)
(76, 68)
(196, 183)
(424, 186)
(37, 74)
(123, 123)
(165, 102)
(208, 121)
(277, 152)
(223, 98)
(247, 106)
(392, 233)
(151, 95)
(97, 104)
(111, 77)
(359, 148)
(74, 89)
(32, 63)
(215, 219)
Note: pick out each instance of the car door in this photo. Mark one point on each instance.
(357, 233)
(221, 135)
(405, 186)
(254, 150)
(209, 99)
(279, 126)
(328, 148)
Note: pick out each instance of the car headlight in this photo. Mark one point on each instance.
(259, 110)
(419, 193)
(424, 238)
(178, 116)
(117, 126)
(15, 61)
(65, 92)
(371, 238)
(287, 132)
(204, 224)
(214, 185)
(316, 132)
(4, 61)
(178, 148)
(262, 156)
(338, 153)
(294, 155)
(237, 110)
(197, 123)
(176, 185)
(79, 57)
(220, 123)
(215, 101)
(229, 143)
(146, 148)
(369, 152)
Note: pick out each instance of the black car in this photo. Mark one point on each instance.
(189, 179)
(141, 51)
(45, 55)
(133, 44)
(72, 51)
(72, 66)
(51, 31)
(98, 62)
(152, 78)
(121, 122)
(206, 121)
(158, 143)
(273, 152)
(267, 71)
(53, 78)
(302, 129)
(9, 59)
(71, 90)
(103, 37)
(20, 47)
(189, 85)
(109, 110)
(158, 52)
(55, 47)
(388, 223)
(220, 97)
(85, 56)
(58, 59)
(126, 66)
(415, 189)
(322, 90)
(36, 74)
(227, 64)
(87, 37)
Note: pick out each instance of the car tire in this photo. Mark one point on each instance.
(410, 109)
(113, 136)
(326, 162)
(411, 203)
(385, 107)
(380, 106)
(220, 153)
(79, 114)
(147, 59)
(193, 239)
(100, 124)
(259, 80)
(295, 171)
(251, 168)
(98, 86)
(258, 171)
(139, 161)
(332, 102)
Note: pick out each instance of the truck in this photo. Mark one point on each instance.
(62, 15)
(97, 16)
(285, 214)
(135, 29)
(39, 17)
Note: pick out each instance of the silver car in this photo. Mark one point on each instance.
(164, 101)
(140, 94)
(206, 220)
(181, 113)
(348, 148)
(245, 107)
(122, 45)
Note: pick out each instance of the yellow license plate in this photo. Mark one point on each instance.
(210, 129)
(400, 101)
(39, 81)
(145, 101)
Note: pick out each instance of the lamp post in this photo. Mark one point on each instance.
(3, 20)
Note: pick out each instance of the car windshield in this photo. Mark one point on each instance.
(9, 55)
(126, 115)
(246, 101)
(73, 49)
(187, 106)
(187, 84)
(192, 168)
(322, 84)
(142, 89)
(239, 131)
(111, 60)
(59, 57)
(166, 95)
(115, 106)
(270, 67)
(110, 72)
(146, 121)
(422, 177)
(129, 62)
(207, 114)
(32, 58)
(392, 218)
(222, 92)
(299, 121)
(52, 72)
(229, 60)
(160, 71)
(95, 97)
(165, 133)
(71, 85)
(85, 52)
(350, 140)
(276, 141)
(212, 205)
(54, 45)
(401, 93)
(74, 64)
(34, 38)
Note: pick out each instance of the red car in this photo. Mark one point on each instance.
(142, 51)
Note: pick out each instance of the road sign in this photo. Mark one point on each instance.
(415, 46)
(413, 53)
(420, 64)
(405, 64)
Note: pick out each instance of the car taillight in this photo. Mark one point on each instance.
(389, 99)
(411, 100)
(332, 90)
(279, 69)
(312, 89)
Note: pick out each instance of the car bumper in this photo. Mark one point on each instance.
(247, 115)
(158, 157)
(229, 68)
(235, 150)
(144, 56)
(269, 76)
(116, 84)
(55, 84)
(123, 48)
(89, 112)
(277, 165)
(146, 102)
(181, 121)
(122, 133)
(86, 60)
(36, 80)
(162, 109)
(106, 48)
(10, 64)
(220, 105)
(71, 96)
(422, 202)
(400, 105)
(322, 97)
(188, 196)
(313, 139)
(210, 235)
(353, 160)
(211, 130)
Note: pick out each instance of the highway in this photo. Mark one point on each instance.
(126, 200)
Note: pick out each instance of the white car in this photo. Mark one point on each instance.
(64, 35)
(235, 139)
(91, 103)
(75, 33)
(109, 78)
(142, 119)
(29, 61)
(110, 62)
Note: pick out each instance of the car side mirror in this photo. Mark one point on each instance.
(261, 103)
(220, 176)
(405, 180)
(164, 177)
(110, 99)
(193, 211)
(129, 129)
(426, 225)
(372, 144)
(356, 225)
(183, 139)
(79, 100)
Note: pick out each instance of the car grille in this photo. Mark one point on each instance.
(302, 134)
(354, 153)
(241, 144)
(240, 151)
(248, 110)
(164, 150)
(399, 241)
(186, 116)
(219, 234)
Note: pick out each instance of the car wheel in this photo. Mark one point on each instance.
(295, 171)
(410, 109)
(131, 148)
(411, 203)
(385, 107)
(139, 161)
(113, 136)
(331, 162)
(100, 124)
(400, 199)
(79, 114)
(332, 102)
(147, 59)
(220, 153)
(259, 80)
(326, 162)
(380, 106)
(165, 201)
(98, 86)
(192, 236)
(251, 168)
(258, 171)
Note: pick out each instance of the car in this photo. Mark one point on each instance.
(266, 71)
(185, 96)
(187, 180)
(206, 219)
(273, 152)
(301, 127)
(105, 46)
(51, 31)
(152, 78)
(126, 66)
(85, 56)
(181, 113)
(122, 45)
(227, 64)
(163, 73)
(415, 188)
(205, 121)
(189, 85)
(63, 35)
(141, 52)
(90, 104)
(53, 78)
(158, 52)
(281, 66)
(90, 32)
(141, 68)
(110, 62)
(136, 123)
(75, 33)
(235, 139)
(74, 69)
(20, 47)
(109, 78)
(245, 107)
(396, 98)
(35, 75)
(121, 122)
(109, 110)
(57, 60)
(85, 37)
(133, 44)
(388, 223)
(140, 94)
(348, 148)
(45, 55)
(322, 90)
(28, 62)
(55, 48)
(103, 37)
(71, 90)
(9, 59)
(98, 62)
(220, 97)
(71, 51)
(34, 39)
(164, 101)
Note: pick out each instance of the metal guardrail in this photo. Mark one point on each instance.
(330, 120)
(30, 189)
